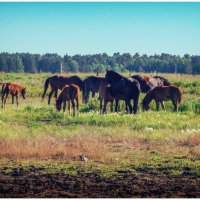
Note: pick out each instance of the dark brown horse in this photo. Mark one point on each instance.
(123, 89)
(58, 82)
(105, 96)
(14, 89)
(163, 93)
(91, 84)
(69, 93)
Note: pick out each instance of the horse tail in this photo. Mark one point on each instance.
(45, 87)
(78, 96)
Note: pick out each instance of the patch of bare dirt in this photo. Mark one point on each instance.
(32, 183)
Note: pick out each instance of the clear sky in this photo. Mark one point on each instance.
(89, 28)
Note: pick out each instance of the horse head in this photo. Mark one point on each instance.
(58, 105)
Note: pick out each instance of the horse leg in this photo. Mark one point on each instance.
(73, 106)
(104, 106)
(64, 106)
(86, 97)
(129, 106)
(162, 104)
(111, 106)
(101, 101)
(135, 108)
(2, 99)
(157, 105)
(50, 94)
(116, 105)
(17, 100)
(126, 107)
(77, 104)
(56, 93)
(12, 98)
(174, 102)
(69, 106)
(5, 99)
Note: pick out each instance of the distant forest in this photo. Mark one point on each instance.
(53, 63)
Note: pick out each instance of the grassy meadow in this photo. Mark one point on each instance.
(160, 141)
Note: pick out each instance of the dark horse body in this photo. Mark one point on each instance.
(69, 93)
(58, 82)
(163, 93)
(91, 84)
(123, 89)
(14, 89)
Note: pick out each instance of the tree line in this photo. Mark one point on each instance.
(54, 63)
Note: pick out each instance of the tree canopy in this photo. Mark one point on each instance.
(36, 63)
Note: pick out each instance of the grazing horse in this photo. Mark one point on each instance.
(123, 89)
(163, 93)
(105, 96)
(91, 84)
(58, 82)
(69, 93)
(13, 89)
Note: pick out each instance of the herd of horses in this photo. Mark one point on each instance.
(112, 88)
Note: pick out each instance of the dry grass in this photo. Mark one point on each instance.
(47, 147)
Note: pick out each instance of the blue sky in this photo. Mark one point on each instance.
(89, 28)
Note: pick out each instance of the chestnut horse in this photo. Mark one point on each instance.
(105, 96)
(14, 89)
(69, 93)
(163, 93)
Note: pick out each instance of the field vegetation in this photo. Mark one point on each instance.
(162, 142)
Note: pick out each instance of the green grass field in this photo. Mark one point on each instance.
(161, 141)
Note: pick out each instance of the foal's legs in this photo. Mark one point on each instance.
(17, 99)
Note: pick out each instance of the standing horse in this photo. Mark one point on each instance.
(91, 84)
(163, 93)
(13, 89)
(69, 93)
(105, 96)
(58, 82)
(123, 89)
